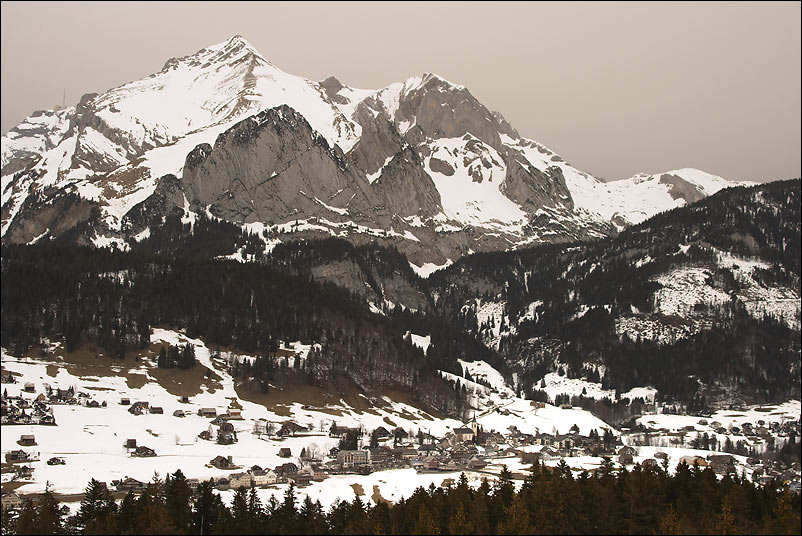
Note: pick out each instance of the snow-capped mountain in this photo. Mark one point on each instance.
(419, 164)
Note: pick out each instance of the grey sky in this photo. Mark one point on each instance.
(615, 88)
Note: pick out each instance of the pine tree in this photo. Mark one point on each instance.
(177, 497)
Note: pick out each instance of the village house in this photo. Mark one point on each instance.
(382, 432)
(56, 461)
(27, 440)
(29, 387)
(463, 434)
(226, 434)
(239, 480)
(476, 463)
(157, 410)
(143, 452)
(352, 458)
(222, 484)
(128, 484)
(291, 429)
(11, 501)
(221, 462)
(184, 399)
(125, 401)
(130, 443)
(179, 413)
(24, 471)
(431, 463)
(722, 463)
(287, 470)
(340, 431)
(17, 456)
(207, 412)
(263, 477)
(691, 460)
(400, 434)
(234, 414)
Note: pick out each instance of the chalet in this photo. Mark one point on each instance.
(417, 463)
(693, 460)
(650, 463)
(318, 474)
(291, 429)
(400, 434)
(17, 456)
(340, 431)
(29, 387)
(286, 470)
(566, 406)
(206, 434)
(382, 432)
(431, 463)
(24, 471)
(207, 412)
(27, 440)
(463, 434)
(179, 413)
(537, 405)
(130, 443)
(56, 461)
(157, 410)
(7, 378)
(143, 452)
(222, 484)
(625, 459)
(184, 399)
(226, 434)
(138, 408)
(352, 458)
(128, 484)
(304, 476)
(427, 449)
(548, 453)
(234, 414)
(405, 453)
(11, 501)
(284, 452)
(125, 401)
(239, 480)
(722, 463)
(631, 451)
(221, 462)
(476, 463)
(449, 465)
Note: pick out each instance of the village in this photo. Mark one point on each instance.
(361, 451)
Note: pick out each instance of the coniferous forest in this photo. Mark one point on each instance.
(550, 501)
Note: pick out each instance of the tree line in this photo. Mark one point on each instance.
(551, 500)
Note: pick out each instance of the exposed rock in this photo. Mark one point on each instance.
(272, 167)
(406, 188)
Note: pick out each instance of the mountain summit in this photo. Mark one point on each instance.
(223, 133)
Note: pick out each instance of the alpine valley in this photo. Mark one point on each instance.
(222, 234)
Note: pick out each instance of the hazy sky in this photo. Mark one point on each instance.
(615, 88)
